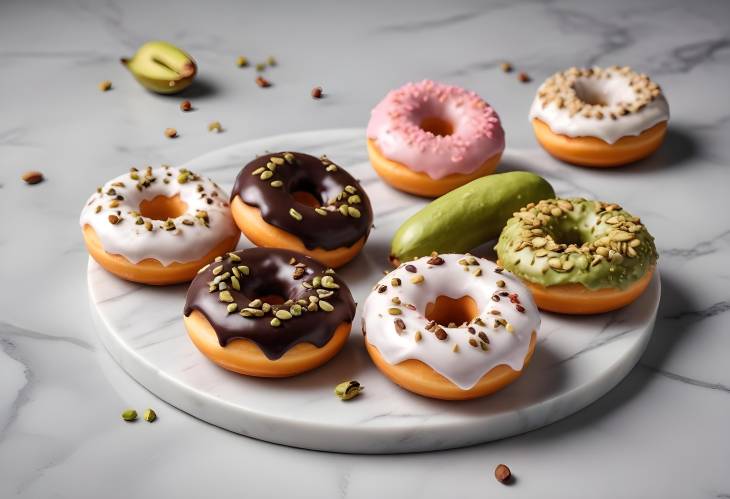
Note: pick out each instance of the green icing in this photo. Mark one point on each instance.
(576, 241)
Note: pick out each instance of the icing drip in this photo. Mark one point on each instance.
(394, 317)
(114, 214)
(604, 103)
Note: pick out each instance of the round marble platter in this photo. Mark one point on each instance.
(577, 360)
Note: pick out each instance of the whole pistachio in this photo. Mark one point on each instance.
(129, 415)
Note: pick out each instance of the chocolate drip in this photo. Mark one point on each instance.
(330, 185)
(270, 273)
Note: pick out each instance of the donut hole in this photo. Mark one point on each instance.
(162, 207)
(267, 292)
(445, 310)
(306, 198)
(304, 192)
(590, 93)
(569, 235)
(436, 125)
(273, 299)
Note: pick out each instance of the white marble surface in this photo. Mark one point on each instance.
(576, 361)
(663, 432)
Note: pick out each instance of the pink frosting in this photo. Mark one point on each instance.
(395, 128)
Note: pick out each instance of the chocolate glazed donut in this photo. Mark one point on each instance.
(311, 198)
(235, 294)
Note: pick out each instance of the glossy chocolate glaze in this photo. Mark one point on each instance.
(308, 174)
(270, 273)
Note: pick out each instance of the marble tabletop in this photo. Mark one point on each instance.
(663, 432)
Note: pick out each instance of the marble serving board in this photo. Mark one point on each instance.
(577, 360)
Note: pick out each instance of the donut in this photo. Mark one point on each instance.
(268, 312)
(599, 117)
(578, 256)
(450, 326)
(299, 202)
(158, 225)
(428, 138)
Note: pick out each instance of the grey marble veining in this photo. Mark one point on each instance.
(60, 392)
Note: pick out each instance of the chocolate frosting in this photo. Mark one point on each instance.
(335, 190)
(270, 273)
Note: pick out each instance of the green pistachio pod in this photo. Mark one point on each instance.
(468, 216)
(161, 67)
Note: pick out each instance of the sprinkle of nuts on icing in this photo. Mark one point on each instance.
(227, 281)
(468, 338)
(560, 89)
(537, 219)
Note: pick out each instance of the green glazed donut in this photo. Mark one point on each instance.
(576, 241)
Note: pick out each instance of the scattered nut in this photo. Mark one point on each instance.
(129, 415)
(186, 105)
(260, 66)
(348, 390)
(506, 67)
(502, 473)
(317, 93)
(105, 86)
(149, 415)
(262, 82)
(271, 61)
(32, 177)
(241, 61)
(215, 126)
(170, 133)
(523, 77)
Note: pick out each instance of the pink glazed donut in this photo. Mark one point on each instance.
(428, 138)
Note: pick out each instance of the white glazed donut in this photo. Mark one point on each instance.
(606, 103)
(486, 350)
(167, 219)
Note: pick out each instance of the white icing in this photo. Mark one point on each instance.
(611, 90)
(186, 243)
(467, 366)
